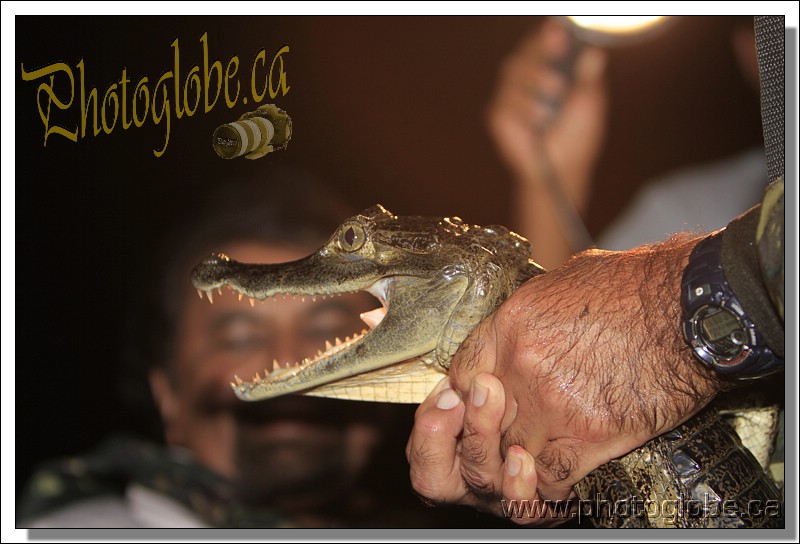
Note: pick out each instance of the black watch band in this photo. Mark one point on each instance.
(714, 322)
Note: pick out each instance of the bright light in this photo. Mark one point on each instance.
(617, 24)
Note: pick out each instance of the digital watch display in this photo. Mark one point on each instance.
(714, 322)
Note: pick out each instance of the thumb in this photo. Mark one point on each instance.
(590, 67)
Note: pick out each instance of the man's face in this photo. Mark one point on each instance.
(288, 443)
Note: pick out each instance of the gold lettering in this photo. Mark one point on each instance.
(85, 104)
(52, 98)
(177, 78)
(228, 76)
(194, 79)
(110, 91)
(273, 92)
(165, 111)
(206, 74)
(258, 97)
(141, 89)
(144, 102)
(124, 82)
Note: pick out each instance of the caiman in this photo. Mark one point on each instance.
(436, 279)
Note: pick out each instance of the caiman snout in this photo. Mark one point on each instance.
(216, 259)
(212, 271)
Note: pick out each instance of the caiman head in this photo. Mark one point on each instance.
(435, 278)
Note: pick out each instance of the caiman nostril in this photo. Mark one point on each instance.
(216, 259)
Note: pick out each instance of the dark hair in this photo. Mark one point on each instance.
(284, 206)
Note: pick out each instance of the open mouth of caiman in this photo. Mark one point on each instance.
(341, 358)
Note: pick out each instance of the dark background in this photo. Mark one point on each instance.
(387, 110)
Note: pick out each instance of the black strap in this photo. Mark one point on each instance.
(770, 46)
(740, 254)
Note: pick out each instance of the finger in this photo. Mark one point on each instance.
(590, 66)
(528, 74)
(551, 40)
(481, 456)
(426, 405)
(527, 102)
(432, 448)
(476, 354)
(523, 502)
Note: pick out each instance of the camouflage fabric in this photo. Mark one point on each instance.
(770, 243)
(123, 460)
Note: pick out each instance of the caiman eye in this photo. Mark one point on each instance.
(352, 237)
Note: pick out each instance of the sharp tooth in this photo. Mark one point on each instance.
(328, 345)
(199, 292)
(275, 365)
(338, 341)
(210, 296)
(233, 385)
(252, 302)
(239, 381)
(257, 378)
(240, 297)
(319, 353)
(219, 289)
(373, 317)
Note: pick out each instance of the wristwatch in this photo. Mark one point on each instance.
(714, 323)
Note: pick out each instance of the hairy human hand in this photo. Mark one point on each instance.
(590, 363)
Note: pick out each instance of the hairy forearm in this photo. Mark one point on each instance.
(590, 364)
(607, 324)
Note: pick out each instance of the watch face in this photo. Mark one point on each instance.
(721, 332)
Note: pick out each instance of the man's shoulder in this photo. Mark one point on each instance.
(139, 507)
(112, 485)
(95, 512)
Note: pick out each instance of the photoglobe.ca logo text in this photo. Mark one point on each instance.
(668, 510)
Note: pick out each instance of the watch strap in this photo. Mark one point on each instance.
(705, 293)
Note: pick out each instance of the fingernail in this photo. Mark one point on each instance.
(479, 394)
(513, 464)
(443, 384)
(447, 400)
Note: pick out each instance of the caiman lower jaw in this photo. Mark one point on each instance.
(278, 373)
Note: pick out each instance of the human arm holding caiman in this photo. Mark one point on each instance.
(585, 363)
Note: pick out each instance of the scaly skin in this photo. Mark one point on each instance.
(437, 278)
